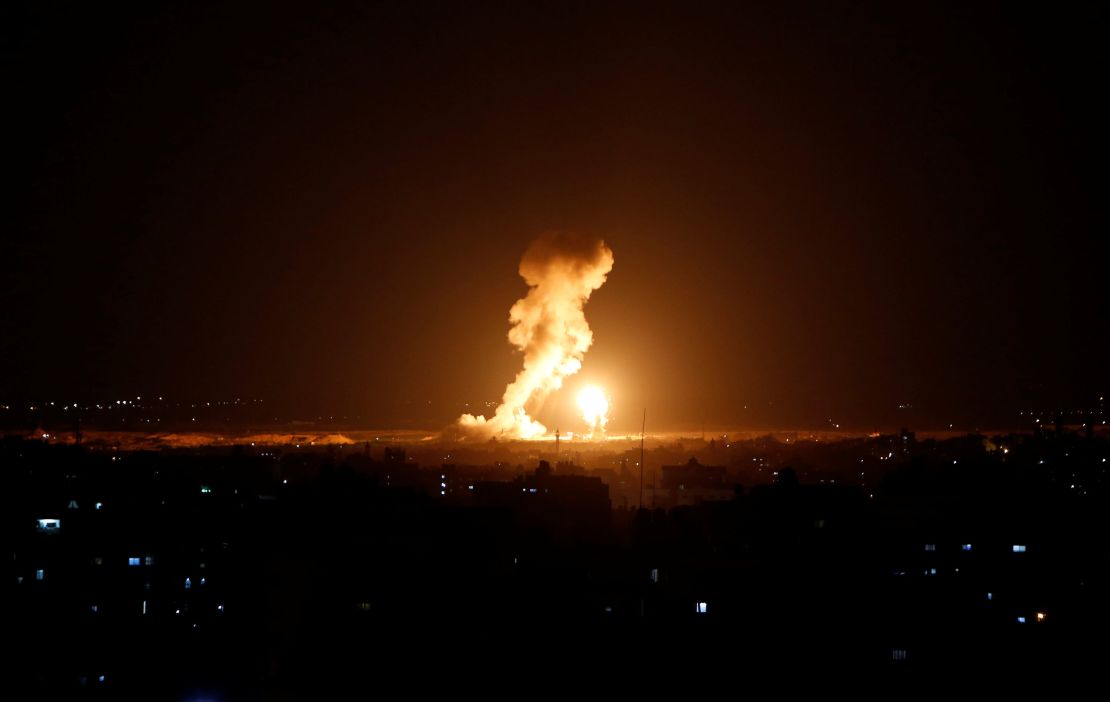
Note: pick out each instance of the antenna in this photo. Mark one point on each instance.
(642, 426)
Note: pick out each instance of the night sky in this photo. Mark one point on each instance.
(816, 212)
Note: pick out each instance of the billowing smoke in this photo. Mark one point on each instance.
(548, 325)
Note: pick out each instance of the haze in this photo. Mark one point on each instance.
(858, 215)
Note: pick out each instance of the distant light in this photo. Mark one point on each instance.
(899, 654)
(99, 505)
(966, 547)
(1041, 616)
(1019, 548)
(930, 547)
(702, 607)
(1021, 620)
(133, 561)
(40, 574)
(49, 525)
(990, 596)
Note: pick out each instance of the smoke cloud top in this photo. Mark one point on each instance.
(549, 327)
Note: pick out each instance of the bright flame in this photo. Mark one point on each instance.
(549, 327)
(595, 408)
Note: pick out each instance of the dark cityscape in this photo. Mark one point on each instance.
(358, 349)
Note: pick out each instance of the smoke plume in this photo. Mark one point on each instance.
(549, 327)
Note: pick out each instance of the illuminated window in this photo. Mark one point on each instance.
(1019, 548)
(133, 561)
(40, 574)
(188, 583)
(966, 547)
(149, 560)
(49, 525)
(1021, 620)
(930, 547)
(702, 607)
(654, 575)
(899, 654)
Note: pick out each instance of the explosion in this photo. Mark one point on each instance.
(549, 327)
(595, 409)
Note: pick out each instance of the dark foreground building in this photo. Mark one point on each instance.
(240, 575)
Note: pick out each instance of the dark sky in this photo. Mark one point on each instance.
(816, 211)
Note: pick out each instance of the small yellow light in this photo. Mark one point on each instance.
(1040, 616)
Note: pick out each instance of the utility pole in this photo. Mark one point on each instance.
(642, 426)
